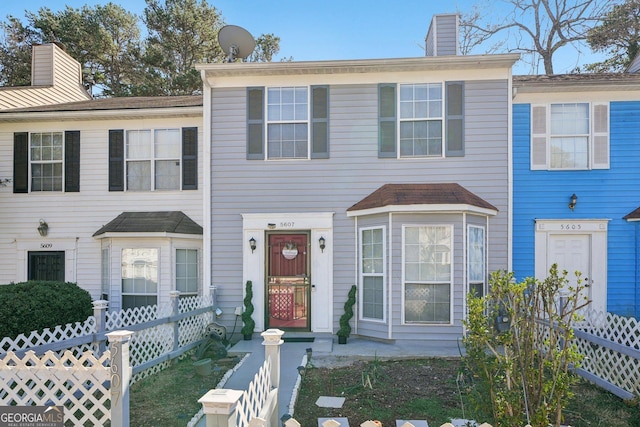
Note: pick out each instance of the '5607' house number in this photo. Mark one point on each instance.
(286, 224)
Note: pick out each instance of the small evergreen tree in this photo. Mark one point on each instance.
(247, 319)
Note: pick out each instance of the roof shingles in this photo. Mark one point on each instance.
(151, 222)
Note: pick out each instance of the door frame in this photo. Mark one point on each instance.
(318, 224)
(597, 230)
(310, 250)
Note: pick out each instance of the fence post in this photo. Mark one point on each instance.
(175, 310)
(219, 407)
(120, 377)
(100, 314)
(272, 342)
(214, 301)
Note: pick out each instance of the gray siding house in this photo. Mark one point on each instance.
(388, 174)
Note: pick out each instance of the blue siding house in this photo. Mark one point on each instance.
(576, 151)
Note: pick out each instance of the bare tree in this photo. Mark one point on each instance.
(535, 28)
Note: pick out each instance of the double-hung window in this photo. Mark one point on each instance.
(427, 270)
(153, 159)
(139, 277)
(476, 260)
(187, 268)
(421, 120)
(296, 123)
(372, 263)
(570, 136)
(46, 161)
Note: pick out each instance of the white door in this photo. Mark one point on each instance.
(572, 252)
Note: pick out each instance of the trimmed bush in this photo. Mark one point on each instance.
(33, 306)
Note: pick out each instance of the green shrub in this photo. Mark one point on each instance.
(31, 306)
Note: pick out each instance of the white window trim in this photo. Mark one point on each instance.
(61, 161)
(152, 159)
(484, 261)
(159, 274)
(547, 136)
(451, 288)
(175, 270)
(267, 122)
(361, 276)
(400, 120)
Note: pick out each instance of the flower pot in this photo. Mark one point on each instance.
(342, 339)
(247, 337)
(202, 367)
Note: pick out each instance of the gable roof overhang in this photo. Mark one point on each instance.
(633, 216)
(423, 198)
(358, 66)
(110, 108)
(150, 224)
(564, 83)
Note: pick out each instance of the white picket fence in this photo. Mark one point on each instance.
(610, 345)
(69, 365)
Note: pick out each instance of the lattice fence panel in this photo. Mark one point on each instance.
(78, 383)
(193, 328)
(130, 316)
(148, 344)
(612, 327)
(254, 398)
(193, 303)
(51, 335)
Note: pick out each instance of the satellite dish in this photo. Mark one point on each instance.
(236, 42)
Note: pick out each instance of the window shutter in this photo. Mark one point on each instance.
(21, 162)
(190, 158)
(387, 120)
(538, 137)
(455, 119)
(255, 123)
(72, 161)
(116, 160)
(600, 136)
(319, 122)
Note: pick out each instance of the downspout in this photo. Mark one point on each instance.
(390, 278)
(510, 90)
(637, 304)
(465, 283)
(206, 186)
(357, 275)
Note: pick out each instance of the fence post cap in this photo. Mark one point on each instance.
(100, 303)
(272, 336)
(219, 401)
(119, 336)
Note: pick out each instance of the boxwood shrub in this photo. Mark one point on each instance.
(34, 305)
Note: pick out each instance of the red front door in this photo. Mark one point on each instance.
(288, 281)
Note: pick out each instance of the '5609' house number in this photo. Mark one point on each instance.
(46, 245)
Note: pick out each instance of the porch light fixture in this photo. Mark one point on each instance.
(43, 228)
(322, 244)
(252, 244)
(574, 200)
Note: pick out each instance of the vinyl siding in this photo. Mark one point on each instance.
(76, 216)
(352, 172)
(607, 194)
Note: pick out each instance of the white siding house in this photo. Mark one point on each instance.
(106, 193)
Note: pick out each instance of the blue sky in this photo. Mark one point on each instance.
(322, 30)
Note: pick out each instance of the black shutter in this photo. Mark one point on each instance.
(319, 122)
(116, 160)
(387, 121)
(190, 158)
(72, 161)
(21, 162)
(454, 119)
(255, 123)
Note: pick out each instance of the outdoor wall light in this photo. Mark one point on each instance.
(43, 228)
(252, 244)
(218, 312)
(574, 200)
(322, 244)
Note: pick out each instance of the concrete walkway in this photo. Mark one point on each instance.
(326, 352)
